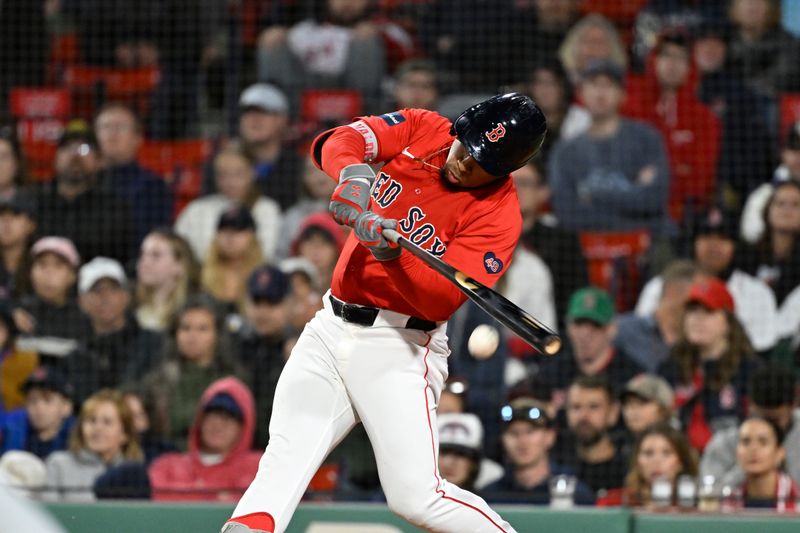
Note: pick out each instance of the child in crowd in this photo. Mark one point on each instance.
(43, 426)
(52, 314)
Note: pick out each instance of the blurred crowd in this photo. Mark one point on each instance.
(142, 333)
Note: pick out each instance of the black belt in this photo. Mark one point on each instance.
(365, 316)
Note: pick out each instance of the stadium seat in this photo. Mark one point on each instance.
(321, 106)
(40, 114)
(615, 261)
(181, 163)
(92, 86)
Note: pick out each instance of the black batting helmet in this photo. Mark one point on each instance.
(501, 133)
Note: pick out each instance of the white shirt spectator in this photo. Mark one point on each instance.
(755, 306)
(197, 223)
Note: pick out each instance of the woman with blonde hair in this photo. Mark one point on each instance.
(233, 256)
(104, 438)
(661, 452)
(235, 176)
(593, 38)
(166, 274)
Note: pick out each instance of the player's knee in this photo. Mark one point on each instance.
(414, 506)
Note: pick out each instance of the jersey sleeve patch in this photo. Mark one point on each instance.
(491, 263)
(393, 119)
(370, 140)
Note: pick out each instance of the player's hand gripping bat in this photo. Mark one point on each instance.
(504, 311)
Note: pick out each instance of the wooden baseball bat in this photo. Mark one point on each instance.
(498, 306)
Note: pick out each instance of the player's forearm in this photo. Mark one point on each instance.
(423, 288)
(344, 147)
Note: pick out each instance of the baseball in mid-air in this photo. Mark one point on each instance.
(483, 342)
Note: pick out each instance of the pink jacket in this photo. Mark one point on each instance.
(182, 476)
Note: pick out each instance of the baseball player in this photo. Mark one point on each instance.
(377, 352)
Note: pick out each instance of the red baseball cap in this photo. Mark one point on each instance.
(711, 293)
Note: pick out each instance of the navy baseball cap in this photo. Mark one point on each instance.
(236, 218)
(268, 284)
(49, 379)
(225, 403)
(604, 67)
(717, 221)
(19, 204)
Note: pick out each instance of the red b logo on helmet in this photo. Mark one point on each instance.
(496, 134)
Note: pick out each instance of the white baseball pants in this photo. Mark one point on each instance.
(390, 379)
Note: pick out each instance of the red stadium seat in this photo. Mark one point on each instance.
(92, 86)
(614, 260)
(330, 105)
(40, 114)
(181, 163)
(790, 112)
(64, 51)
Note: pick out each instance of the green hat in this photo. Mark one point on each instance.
(591, 303)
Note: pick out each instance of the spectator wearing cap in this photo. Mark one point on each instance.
(527, 437)
(646, 400)
(747, 153)
(262, 132)
(589, 447)
(615, 176)
(710, 364)
(219, 464)
(665, 98)
(118, 350)
(320, 240)
(542, 235)
(453, 399)
(120, 135)
(752, 225)
(775, 258)
(45, 422)
(197, 351)
(15, 364)
(648, 339)
(714, 247)
(590, 351)
(264, 342)
(461, 460)
(52, 319)
(233, 255)
(234, 172)
(317, 190)
(766, 53)
(773, 396)
(75, 205)
(104, 441)
(17, 228)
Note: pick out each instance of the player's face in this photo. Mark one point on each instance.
(758, 451)
(461, 170)
(640, 413)
(527, 444)
(657, 458)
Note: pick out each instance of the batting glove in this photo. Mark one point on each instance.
(369, 231)
(351, 197)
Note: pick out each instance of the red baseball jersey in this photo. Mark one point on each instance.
(474, 230)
